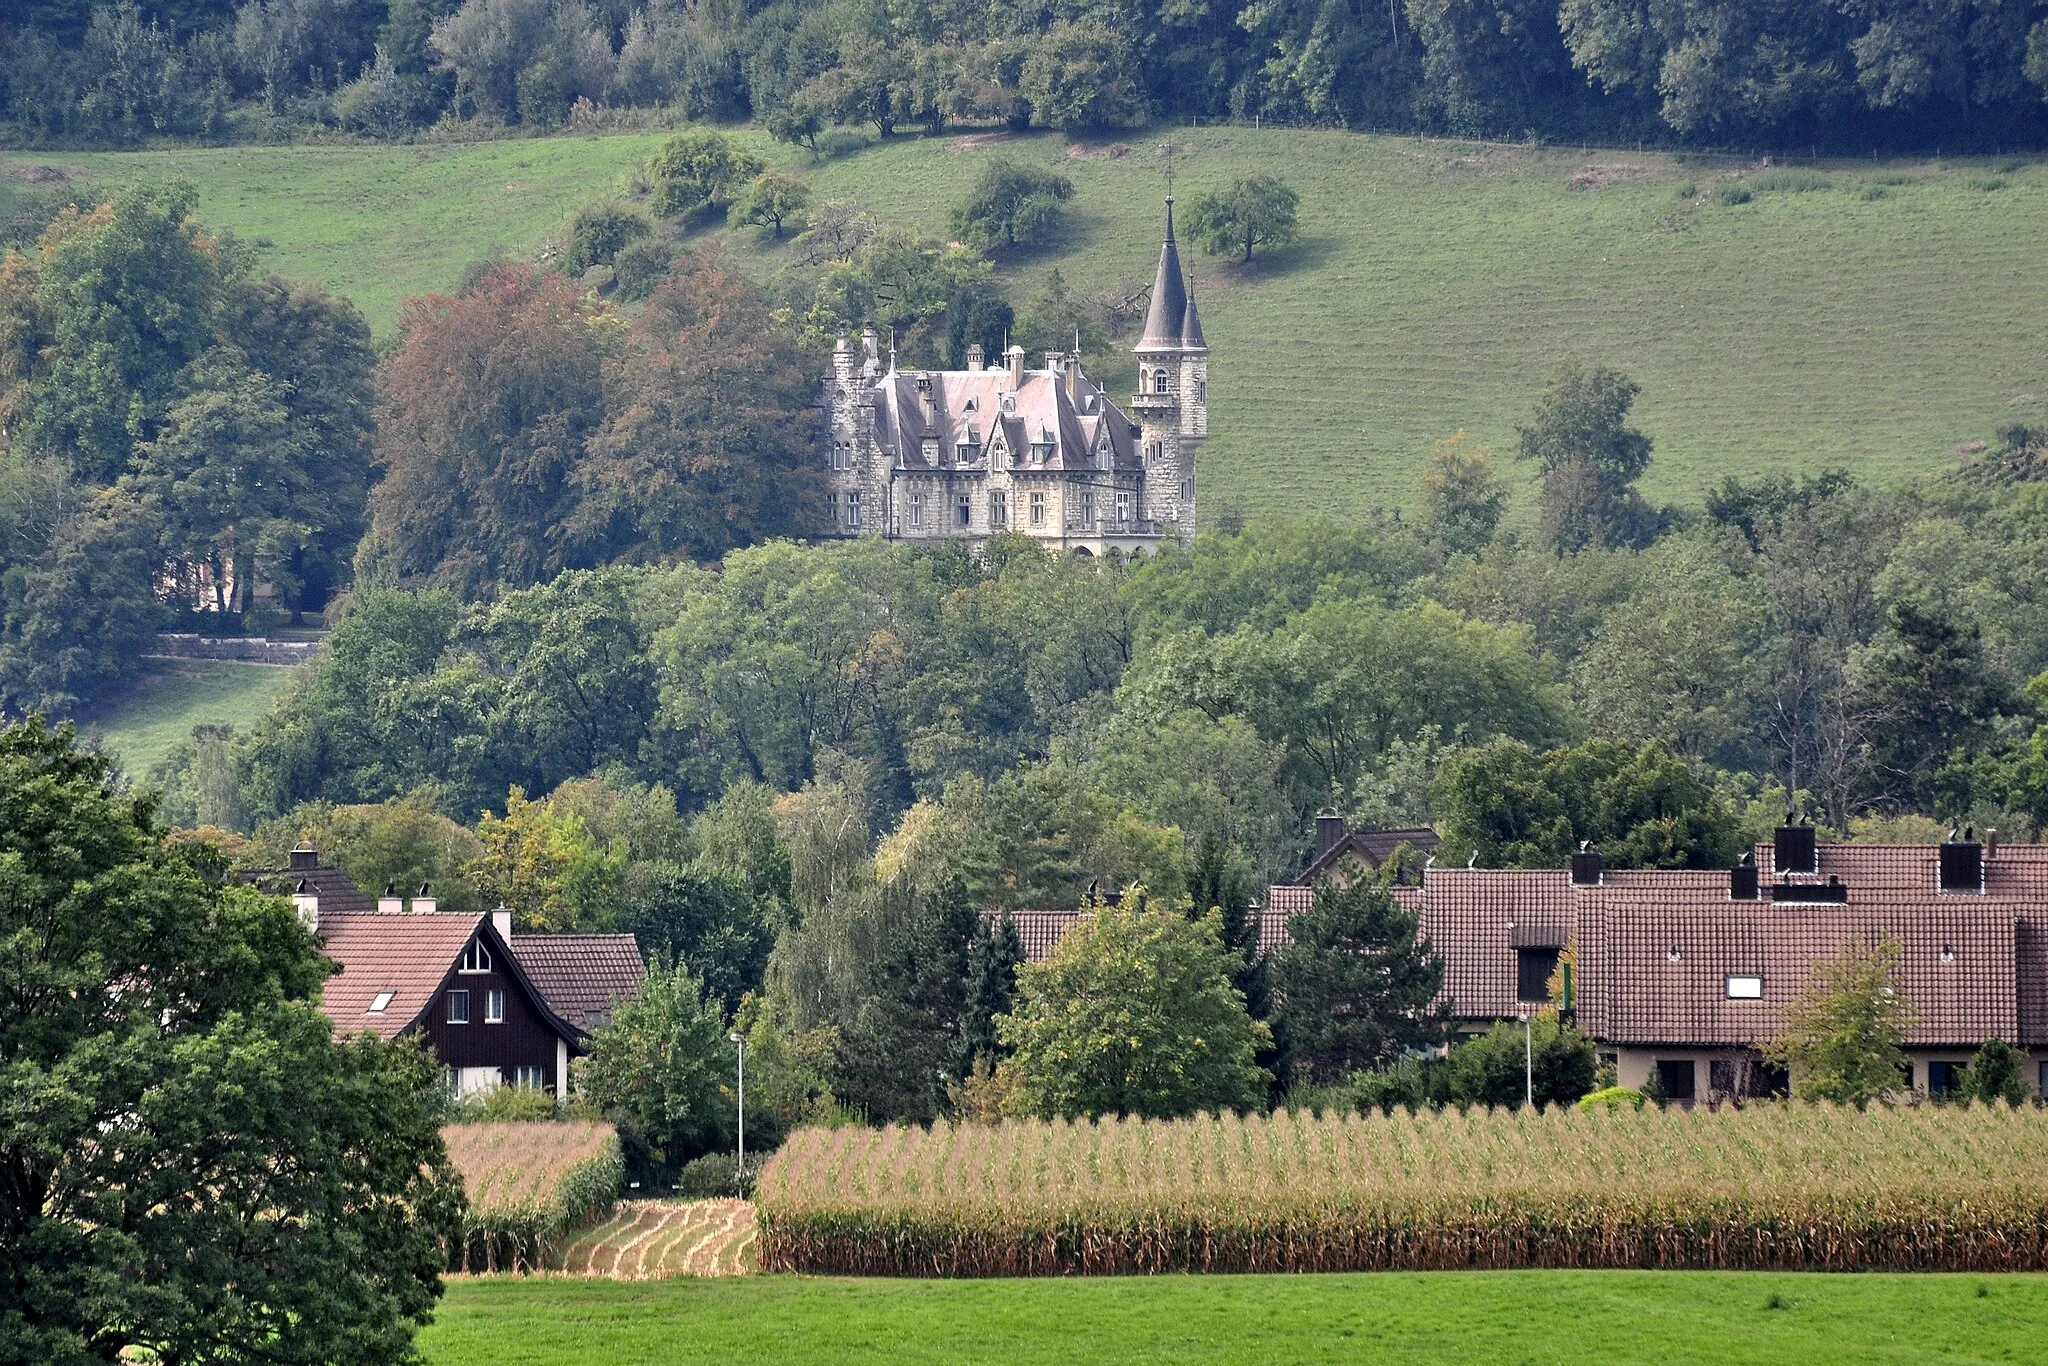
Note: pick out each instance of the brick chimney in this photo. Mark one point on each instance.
(1015, 355)
(501, 921)
(391, 903)
(1329, 831)
(974, 358)
(306, 901)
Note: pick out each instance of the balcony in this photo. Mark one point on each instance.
(1154, 405)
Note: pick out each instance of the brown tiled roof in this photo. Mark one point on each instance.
(1285, 902)
(1370, 847)
(409, 955)
(581, 976)
(1655, 948)
(338, 893)
(1041, 931)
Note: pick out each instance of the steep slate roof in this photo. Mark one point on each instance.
(1168, 313)
(1191, 338)
(406, 954)
(972, 405)
(581, 976)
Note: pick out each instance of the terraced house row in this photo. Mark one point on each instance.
(1682, 974)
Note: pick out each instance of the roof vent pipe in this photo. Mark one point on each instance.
(1329, 831)
(1586, 870)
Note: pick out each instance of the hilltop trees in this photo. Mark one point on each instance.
(194, 1160)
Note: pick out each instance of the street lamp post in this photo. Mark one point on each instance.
(740, 1177)
(1528, 1063)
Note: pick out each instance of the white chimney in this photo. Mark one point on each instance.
(1016, 359)
(306, 901)
(423, 904)
(391, 903)
(501, 921)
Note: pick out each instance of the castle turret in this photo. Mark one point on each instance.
(1172, 402)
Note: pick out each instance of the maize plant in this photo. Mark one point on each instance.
(529, 1184)
(1780, 1187)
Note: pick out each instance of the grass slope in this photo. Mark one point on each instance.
(158, 709)
(1489, 1319)
(1436, 287)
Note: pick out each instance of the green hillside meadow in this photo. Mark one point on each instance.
(1877, 323)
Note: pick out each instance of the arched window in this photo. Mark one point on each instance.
(1158, 381)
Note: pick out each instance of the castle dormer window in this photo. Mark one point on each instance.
(1158, 381)
(973, 405)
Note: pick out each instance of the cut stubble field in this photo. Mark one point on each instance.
(1877, 323)
(1484, 1318)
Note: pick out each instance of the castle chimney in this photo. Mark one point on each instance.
(1055, 361)
(501, 921)
(1015, 355)
(1074, 378)
(842, 359)
(391, 903)
(423, 904)
(974, 358)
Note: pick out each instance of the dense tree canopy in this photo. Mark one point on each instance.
(197, 1168)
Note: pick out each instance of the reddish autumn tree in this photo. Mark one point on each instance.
(712, 415)
(484, 411)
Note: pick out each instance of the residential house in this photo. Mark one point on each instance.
(497, 1008)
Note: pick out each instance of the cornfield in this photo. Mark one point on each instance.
(1782, 1187)
(528, 1186)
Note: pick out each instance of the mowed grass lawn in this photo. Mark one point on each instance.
(1877, 323)
(155, 713)
(1486, 1318)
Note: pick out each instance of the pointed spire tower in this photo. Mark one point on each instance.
(1172, 403)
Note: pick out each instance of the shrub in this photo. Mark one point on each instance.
(1733, 194)
(599, 232)
(1793, 182)
(1613, 1099)
(639, 267)
(717, 1176)
(698, 169)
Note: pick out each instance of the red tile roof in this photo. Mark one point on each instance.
(581, 976)
(408, 955)
(1041, 931)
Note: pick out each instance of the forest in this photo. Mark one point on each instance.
(1849, 76)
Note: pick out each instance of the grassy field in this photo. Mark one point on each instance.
(1877, 323)
(1486, 1318)
(158, 709)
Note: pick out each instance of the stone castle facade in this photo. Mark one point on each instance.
(996, 449)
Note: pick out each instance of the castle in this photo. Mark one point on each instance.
(915, 454)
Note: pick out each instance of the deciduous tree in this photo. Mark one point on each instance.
(1843, 1038)
(1256, 211)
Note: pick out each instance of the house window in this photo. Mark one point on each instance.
(1123, 508)
(475, 958)
(1158, 381)
(1087, 509)
(842, 455)
(998, 509)
(1038, 509)
(917, 509)
(963, 510)
(1533, 968)
(1944, 1078)
(458, 1007)
(530, 1078)
(853, 512)
(1745, 988)
(381, 1003)
(1678, 1077)
(494, 1006)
